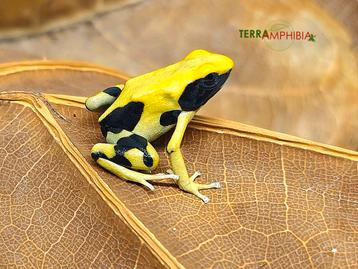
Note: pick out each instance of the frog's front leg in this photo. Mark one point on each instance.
(126, 151)
(104, 98)
(185, 182)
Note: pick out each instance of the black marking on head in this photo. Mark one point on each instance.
(169, 117)
(134, 141)
(113, 91)
(125, 117)
(200, 91)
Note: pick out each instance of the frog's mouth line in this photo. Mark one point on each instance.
(197, 93)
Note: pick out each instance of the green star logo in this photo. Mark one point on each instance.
(312, 38)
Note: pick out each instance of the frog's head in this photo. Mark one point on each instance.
(209, 71)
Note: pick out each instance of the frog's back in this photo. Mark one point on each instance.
(150, 102)
(146, 111)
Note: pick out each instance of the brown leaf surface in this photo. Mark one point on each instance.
(285, 202)
(51, 214)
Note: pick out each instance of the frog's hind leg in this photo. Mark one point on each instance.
(130, 152)
(104, 98)
(131, 175)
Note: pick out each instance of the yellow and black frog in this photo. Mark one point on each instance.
(150, 105)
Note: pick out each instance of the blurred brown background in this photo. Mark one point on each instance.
(308, 89)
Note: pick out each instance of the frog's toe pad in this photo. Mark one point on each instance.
(205, 199)
(216, 185)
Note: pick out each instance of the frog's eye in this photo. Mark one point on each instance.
(211, 76)
(211, 79)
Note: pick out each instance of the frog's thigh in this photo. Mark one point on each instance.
(130, 153)
(104, 98)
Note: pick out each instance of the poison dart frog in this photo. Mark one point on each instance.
(149, 105)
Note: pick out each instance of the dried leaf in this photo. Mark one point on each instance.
(285, 201)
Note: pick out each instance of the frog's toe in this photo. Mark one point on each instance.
(171, 174)
(195, 175)
(170, 171)
(205, 199)
(215, 185)
(161, 176)
(148, 185)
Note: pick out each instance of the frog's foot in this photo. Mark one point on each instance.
(193, 187)
(131, 175)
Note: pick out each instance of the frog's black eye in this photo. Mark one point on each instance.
(211, 76)
(211, 79)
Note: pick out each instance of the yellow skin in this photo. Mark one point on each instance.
(150, 105)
